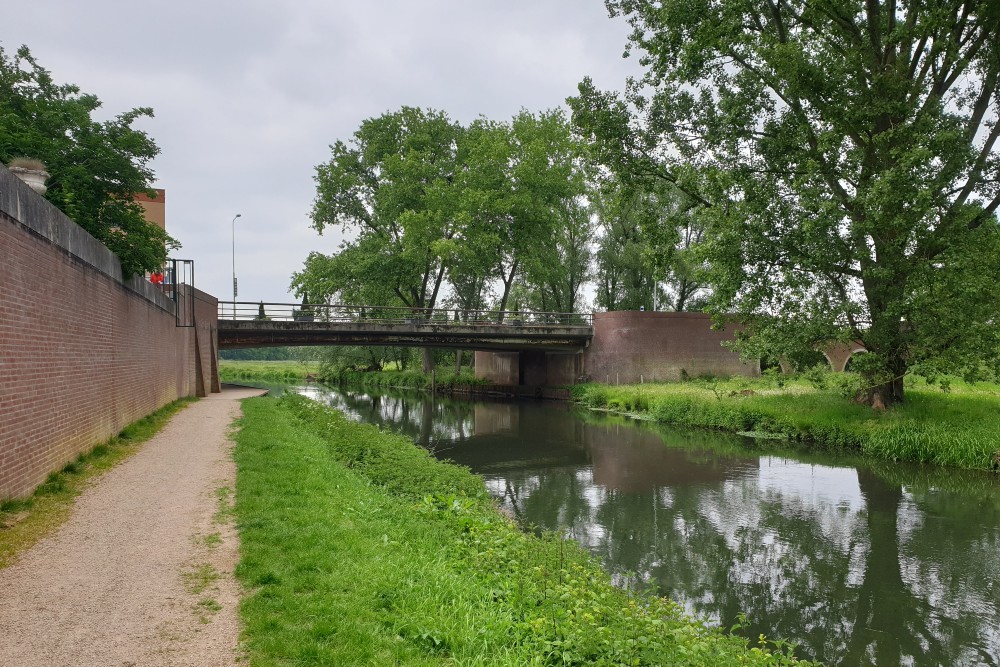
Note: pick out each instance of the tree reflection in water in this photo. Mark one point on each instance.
(876, 564)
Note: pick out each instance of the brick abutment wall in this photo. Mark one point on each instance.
(633, 346)
(628, 347)
(83, 353)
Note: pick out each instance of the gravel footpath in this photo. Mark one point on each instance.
(142, 573)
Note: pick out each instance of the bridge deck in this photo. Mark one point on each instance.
(266, 325)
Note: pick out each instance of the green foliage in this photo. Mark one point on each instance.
(96, 168)
(648, 252)
(818, 376)
(954, 429)
(445, 378)
(843, 162)
(262, 371)
(428, 200)
(303, 354)
(350, 561)
(391, 190)
(403, 470)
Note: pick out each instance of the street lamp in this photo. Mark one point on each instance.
(234, 264)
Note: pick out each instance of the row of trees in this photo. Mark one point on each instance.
(494, 215)
(841, 159)
(821, 169)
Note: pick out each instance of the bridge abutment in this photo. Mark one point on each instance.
(628, 347)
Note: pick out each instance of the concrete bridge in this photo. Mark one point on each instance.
(248, 324)
(512, 348)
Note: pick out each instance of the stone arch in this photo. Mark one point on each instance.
(838, 354)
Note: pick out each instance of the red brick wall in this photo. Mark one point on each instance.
(82, 353)
(632, 346)
(628, 347)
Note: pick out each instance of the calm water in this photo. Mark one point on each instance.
(858, 564)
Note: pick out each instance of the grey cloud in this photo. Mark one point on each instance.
(249, 95)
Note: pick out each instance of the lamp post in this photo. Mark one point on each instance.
(234, 263)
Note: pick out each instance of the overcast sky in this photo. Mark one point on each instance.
(249, 95)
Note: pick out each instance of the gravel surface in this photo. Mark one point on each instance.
(142, 572)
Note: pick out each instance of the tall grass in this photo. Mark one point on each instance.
(959, 427)
(358, 548)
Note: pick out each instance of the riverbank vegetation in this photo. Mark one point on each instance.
(953, 427)
(25, 521)
(265, 371)
(443, 378)
(359, 548)
(391, 376)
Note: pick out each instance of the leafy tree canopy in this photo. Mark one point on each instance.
(96, 167)
(391, 189)
(843, 156)
(426, 201)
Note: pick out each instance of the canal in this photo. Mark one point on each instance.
(858, 563)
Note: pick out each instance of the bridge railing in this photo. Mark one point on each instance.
(296, 312)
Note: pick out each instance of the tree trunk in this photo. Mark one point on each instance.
(507, 281)
(458, 362)
(428, 359)
(885, 393)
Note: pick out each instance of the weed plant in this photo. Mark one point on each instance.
(956, 427)
(358, 548)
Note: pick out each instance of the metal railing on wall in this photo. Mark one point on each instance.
(176, 280)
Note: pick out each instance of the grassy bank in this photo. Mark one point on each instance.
(23, 522)
(265, 371)
(358, 548)
(959, 427)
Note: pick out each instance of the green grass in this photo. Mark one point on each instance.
(359, 548)
(959, 427)
(25, 521)
(265, 371)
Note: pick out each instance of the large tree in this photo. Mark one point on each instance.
(519, 188)
(648, 251)
(390, 189)
(843, 156)
(96, 167)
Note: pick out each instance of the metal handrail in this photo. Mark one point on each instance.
(295, 312)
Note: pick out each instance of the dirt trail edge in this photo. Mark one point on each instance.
(142, 573)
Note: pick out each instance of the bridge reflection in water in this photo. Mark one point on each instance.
(877, 563)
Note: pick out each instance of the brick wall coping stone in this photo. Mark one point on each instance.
(42, 218)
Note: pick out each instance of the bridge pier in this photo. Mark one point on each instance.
(529, 367)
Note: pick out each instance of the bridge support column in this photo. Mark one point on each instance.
(503, 368)
(529, 368)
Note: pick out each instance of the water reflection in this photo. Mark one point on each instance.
(885, 564)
